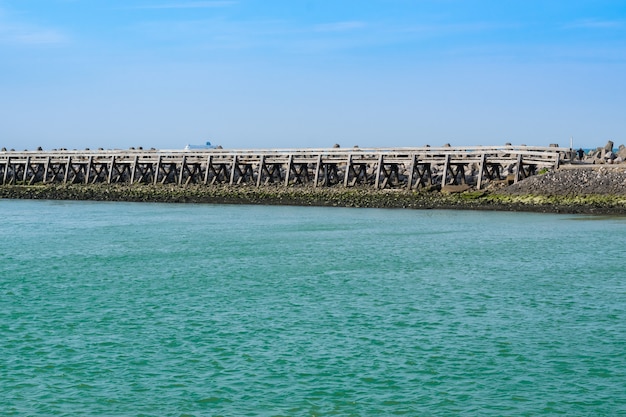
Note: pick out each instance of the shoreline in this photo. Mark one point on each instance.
(492, 200)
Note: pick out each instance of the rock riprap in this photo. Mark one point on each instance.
(574, 180)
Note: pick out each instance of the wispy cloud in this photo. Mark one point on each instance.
(339, 26)
(285, 36)
(189, 5)
(273, 34)
(37, 37)
(456, 28)
(596, 24)
(19, 33)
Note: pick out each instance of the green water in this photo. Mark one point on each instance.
(116, 309)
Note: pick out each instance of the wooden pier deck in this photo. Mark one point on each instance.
(408, 168)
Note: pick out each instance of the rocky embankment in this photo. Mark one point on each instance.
(583, 188)
(574, 180)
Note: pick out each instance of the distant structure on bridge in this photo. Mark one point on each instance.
(207, 145)
(380, 168)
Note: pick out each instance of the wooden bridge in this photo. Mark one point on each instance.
(409, 168)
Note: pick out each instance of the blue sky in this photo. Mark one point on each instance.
(311, 73)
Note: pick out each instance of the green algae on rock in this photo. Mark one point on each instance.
(337, 197)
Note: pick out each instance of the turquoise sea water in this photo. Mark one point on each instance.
(120, 309)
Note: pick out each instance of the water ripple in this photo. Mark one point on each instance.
(131, 309)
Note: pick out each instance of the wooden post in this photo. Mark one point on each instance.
(317, 169)
(232, 171)
(26, 168)
(182, 170)
(557, 163)
(156, 171)
(288, 172)
(132, 169)
(6, 170)
(411, 171)
(45, 169)
(519, 167)
(110, 177)
(347, 175)
(379, 170)
(67, 169)
(208, 168)
(259, 176)
(483, 160)
(446, 165)
(89, 163)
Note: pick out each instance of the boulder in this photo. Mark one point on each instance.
(452, 189)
